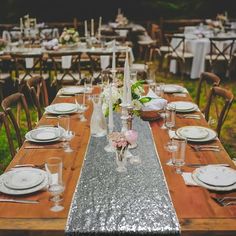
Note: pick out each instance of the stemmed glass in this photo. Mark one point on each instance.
(64, 123)
(170, 117)
(163, 115)
(179, 157)
(159, 89)
(56, 186)
(171, 147)
(81, 108)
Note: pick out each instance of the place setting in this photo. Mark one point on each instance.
(61, 108)
(23, 180)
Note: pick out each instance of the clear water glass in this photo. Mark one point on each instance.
(179, 157)
(159, 89)
(171, 146)
(56, 187)
(64, 123)
(170, 117)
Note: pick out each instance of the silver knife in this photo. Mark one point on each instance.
(19, 201)
(199, 165)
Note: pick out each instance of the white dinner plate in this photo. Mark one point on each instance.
(47, 133)
(211, 134)
(173, 88)
(211, 187)
(182, 106)
(61, 108)
(6, 190)
(193, 132)
(72, 90)
(32, 138)
(23, 178)
(216, 175)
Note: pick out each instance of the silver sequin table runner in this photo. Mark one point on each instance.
(108, 202)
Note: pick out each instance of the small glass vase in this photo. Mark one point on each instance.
(121, 159)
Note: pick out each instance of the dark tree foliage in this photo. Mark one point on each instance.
(66, 10)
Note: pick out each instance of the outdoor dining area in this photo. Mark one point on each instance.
(118, 124)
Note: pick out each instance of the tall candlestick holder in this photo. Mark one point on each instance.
(124, 116)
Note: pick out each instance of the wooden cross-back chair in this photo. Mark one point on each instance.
(65, 75)
(17, 100)
(27, 65)
(39, 93)
(221, 50)
(221, 107)
(177, 50)
(4, 122)
(206, 82)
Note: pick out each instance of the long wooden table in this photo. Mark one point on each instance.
(197, 212)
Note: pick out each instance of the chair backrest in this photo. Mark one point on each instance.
(39, 93)
(4, 122)
(66, 62)
(27, 63)
(17, 100)
(221, 48)
(176, 45)
(206, 79)
(219, 97)
(156, 34)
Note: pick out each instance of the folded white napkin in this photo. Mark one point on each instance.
(104, 61)
(156, 103)
(51, 44)
(29, 62)
(188, 180)
(66, 62)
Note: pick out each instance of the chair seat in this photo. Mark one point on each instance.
(165, 49)
(218, 58)
(139, 67)
(4, 76)
(186, 55)
(68, 77)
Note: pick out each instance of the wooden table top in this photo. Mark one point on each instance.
(197, 212)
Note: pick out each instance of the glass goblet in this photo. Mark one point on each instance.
(179, 157)
(171, 147)
(170, 117)
(56, 186)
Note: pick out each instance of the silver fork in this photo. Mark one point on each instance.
(227, 203)
(222, 199)
(207, 148)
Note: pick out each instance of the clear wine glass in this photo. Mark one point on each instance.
(163, 115)
(56, 186)
(179, 157)
(171, 147)
(81, 107)
(64, 123)
(170, 117)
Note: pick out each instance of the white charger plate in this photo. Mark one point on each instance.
(220, 176)
(182, 106)
(211, 187)
(173, 88)
(6, 190)
(194, 132)
(23, 178)
(46, 133)
(72, 90)
(61, 108)
(31, 138)
(211, 134)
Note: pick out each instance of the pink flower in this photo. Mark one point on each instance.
(131, 136)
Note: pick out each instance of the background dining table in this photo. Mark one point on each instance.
(197, 212)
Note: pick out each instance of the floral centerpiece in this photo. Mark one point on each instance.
(137, 99)
(69, 37)
(3, 44)
(120, 142)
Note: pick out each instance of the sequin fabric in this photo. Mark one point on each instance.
(133, 203)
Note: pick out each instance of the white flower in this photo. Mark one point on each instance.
(67, 37)
(137, 104)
